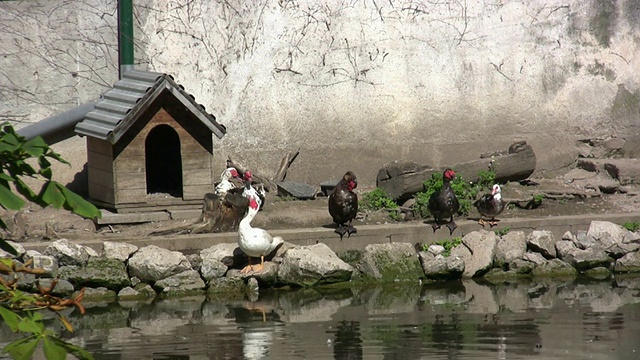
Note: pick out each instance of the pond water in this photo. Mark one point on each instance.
(461, 320)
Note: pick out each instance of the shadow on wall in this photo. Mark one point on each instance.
(79, 184)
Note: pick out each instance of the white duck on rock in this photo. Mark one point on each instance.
(255, 242)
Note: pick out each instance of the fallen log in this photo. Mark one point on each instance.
(403, 179)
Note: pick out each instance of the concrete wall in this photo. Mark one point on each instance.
(354, 84)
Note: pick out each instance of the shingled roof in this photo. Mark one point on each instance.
(118, 108)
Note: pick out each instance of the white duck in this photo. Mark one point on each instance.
(225, 185)
(255, 242)
(249, 190)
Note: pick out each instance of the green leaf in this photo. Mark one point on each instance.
(8, 248)
(35, 147)
(79, 205)
(29, 325)
(52, 195)
(22, 349)
(6, 177)
(10, 318)
(53, 350)
(9, 200)
(74, 350)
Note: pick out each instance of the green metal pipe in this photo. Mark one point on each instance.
(125, 36)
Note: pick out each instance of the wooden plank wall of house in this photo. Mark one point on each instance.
(101, 183)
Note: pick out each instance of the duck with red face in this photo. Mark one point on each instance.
(255, 242)
(444, 203)
(343, 204)
(250, 190)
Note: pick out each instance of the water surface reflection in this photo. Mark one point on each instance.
(461, 320)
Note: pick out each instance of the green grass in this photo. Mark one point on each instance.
(378, 199)
(631, 226)
(502, 232)
(447, 244)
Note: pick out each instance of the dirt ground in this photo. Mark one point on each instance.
(562, 197)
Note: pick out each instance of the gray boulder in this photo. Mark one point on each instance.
(97, 294)
(509, 247)
(391, 262)
(521, 266)
(99, 272)
(630, 263)
(588, 259)
(477, 251)
(225, 286)
(186, 282)
(25, 280)
(439, 267)
(68, 253)
(62, 287)
(564, 247)
(212, 265)
(313, 265)
(118, 250)
(535, 258)
(46, 263)
(268, 275)
(619, 250)
(152, 263)
(606, 234)
(543, 243)
(554, 268)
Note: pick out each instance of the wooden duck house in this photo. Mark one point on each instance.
(149, 146)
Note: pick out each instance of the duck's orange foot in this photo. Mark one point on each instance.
(247, 269)
(493, 223)
(481, 222)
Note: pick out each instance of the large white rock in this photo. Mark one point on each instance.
(67, 253)
(313, 265)
(152, 263)
(509, 247)
(543, 243)
(477, 251)
(118, 250)
(212, 265)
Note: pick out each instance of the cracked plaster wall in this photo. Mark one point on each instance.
(353, 83)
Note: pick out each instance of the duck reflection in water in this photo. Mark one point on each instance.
(258, 328)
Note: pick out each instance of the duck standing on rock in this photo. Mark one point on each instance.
(490, 205)
(343, 204)
(255, 242)
(444, 203)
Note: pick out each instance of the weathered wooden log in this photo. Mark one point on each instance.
(403, 179)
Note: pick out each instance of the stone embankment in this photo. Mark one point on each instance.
(125, 271)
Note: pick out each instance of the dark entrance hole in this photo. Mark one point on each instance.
(163, 160)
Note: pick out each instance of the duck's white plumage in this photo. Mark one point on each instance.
(225, 185)
(255, 242)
